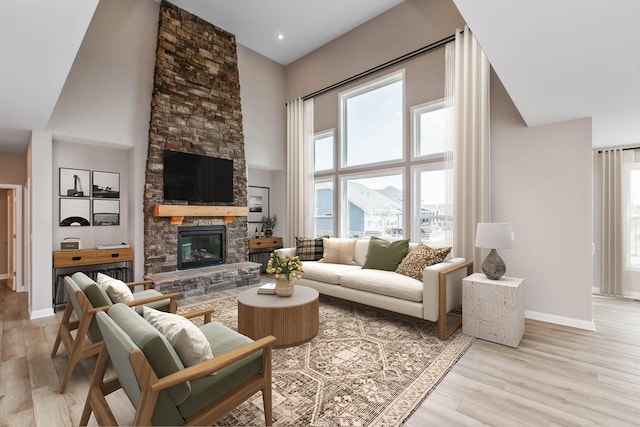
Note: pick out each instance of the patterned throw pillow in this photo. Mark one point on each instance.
(338, 251)
(308, 249)
(421, 257)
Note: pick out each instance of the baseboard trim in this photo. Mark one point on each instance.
(560, 320)
(4, 276)
(37, 314)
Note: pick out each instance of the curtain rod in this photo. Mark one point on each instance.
(387, 64)
(620, 148)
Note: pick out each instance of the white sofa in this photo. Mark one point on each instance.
(389, 290)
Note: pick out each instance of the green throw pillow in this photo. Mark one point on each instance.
(385, 254)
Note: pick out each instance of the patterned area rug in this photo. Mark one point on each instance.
(366, 367)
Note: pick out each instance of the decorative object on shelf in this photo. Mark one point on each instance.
(286, 270)
(269, 223)
(493, 236)
(74, 183)
(258, 203)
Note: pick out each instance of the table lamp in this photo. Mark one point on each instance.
(493, 236)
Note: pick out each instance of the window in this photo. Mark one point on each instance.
(372, 178)
(374, 206)
(633, 218)
(324, 208)
(429, 128)
(433, 215)
(323, 151)
(372, 122)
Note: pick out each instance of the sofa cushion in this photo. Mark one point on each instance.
(383, 282)
(360, 250)
(338, 251)
(325, 272)
(385, 254)
(308, 249)
(421, 257)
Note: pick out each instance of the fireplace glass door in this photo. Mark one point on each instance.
(201, 246)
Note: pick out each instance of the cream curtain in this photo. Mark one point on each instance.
(467, 82)
(613, 253)
(300, 196)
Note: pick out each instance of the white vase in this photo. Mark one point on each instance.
(284, 287)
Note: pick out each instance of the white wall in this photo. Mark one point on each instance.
(39, 170)
(263, 110)
(541, 184)
(106, 100)
(93, 158)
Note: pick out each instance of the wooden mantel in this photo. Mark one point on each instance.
(178, 212)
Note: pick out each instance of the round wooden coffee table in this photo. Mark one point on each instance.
(292, 320)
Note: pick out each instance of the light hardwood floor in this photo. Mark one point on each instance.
(557, 376)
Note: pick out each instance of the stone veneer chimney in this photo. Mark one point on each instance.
(195, 108)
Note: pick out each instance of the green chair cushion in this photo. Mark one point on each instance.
(211, 387)
(162, 305)
(96, 296)
(159, 352)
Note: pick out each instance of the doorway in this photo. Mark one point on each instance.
(11, 236)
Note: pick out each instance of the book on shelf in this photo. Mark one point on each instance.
(267, 289)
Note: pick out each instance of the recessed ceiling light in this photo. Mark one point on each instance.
(280, 36)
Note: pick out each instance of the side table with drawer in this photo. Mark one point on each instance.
(493, 310)
(260, 250)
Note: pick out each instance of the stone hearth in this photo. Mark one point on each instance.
(205, 280)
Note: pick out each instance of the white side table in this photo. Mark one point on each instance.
(493, 310)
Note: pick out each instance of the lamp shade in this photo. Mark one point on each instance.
(493, 235)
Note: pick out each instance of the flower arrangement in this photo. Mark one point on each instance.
(284, 268)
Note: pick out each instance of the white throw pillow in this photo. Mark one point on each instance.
(117, 290)
(338, 251)
(185, 337)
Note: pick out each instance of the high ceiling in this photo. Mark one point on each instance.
(559, 60)
(305, 25)
(564, 60)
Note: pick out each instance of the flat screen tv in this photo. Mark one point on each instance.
(197, 178)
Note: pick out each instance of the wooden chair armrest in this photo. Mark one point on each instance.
(173, 297)
(212, 365)
(147, 284)
(206, 312)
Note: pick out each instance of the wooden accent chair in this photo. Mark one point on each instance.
(85, 299)
(158, 385)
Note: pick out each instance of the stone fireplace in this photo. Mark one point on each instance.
(201, 246)
(195, 108)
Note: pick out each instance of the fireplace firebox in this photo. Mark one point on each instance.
(201, 246)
